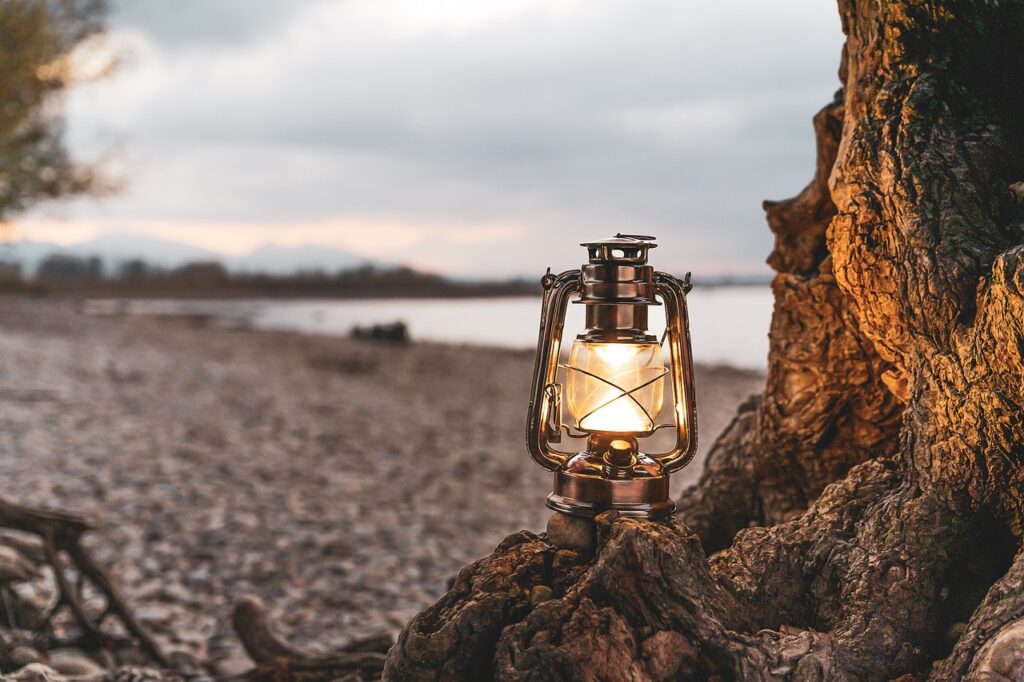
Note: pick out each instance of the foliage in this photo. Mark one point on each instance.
(42, 49)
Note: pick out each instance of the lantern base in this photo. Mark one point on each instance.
(584, 487)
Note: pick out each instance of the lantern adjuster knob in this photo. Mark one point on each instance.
(619, 459)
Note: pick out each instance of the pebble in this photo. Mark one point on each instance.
(153, 615)
(955, 632)
(34, 672)
(14, 567)
(184, 662)
(540, 594)
(73, 663)
(233, 667)
(20, 656)
(571, 532)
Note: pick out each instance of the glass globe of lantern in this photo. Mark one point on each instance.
(615, 387)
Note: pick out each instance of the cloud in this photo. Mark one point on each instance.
(185, 24)
(560, 120)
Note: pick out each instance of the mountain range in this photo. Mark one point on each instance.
(113, 250)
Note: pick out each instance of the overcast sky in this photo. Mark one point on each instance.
(464, 136)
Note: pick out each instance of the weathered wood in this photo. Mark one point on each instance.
(60, 534)
(826, 405)
(882, 468)
(276, 660)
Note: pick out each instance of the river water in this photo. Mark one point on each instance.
(728, 325)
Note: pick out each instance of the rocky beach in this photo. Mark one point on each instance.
(343, 482)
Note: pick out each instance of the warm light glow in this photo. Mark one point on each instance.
(601, 404)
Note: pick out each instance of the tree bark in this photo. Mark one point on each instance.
(862, 518)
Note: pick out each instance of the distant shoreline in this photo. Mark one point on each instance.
(117, 289)
(64, 275)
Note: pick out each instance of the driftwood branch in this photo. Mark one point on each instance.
(277, 660)
(61, 551)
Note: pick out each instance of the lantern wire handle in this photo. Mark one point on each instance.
(677, 333)
(557, 291)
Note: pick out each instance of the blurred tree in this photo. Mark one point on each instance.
(61, 268)
(45, 46)
(201, 272)
(137, 269)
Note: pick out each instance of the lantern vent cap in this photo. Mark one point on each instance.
(622, 248)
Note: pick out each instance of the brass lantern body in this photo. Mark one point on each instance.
(617, 286)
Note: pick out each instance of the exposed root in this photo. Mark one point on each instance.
(74, 571)
(277, 661)
(992, 644)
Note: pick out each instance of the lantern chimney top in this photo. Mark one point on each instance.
(622, 248)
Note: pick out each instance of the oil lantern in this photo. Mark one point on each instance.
(612, 383)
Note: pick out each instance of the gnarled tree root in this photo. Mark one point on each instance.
(848, 590)
(74, 570)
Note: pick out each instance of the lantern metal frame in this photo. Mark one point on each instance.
(616, 286)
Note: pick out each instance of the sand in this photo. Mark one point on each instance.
(343, 482)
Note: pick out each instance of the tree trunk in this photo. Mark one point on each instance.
(861, 519)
